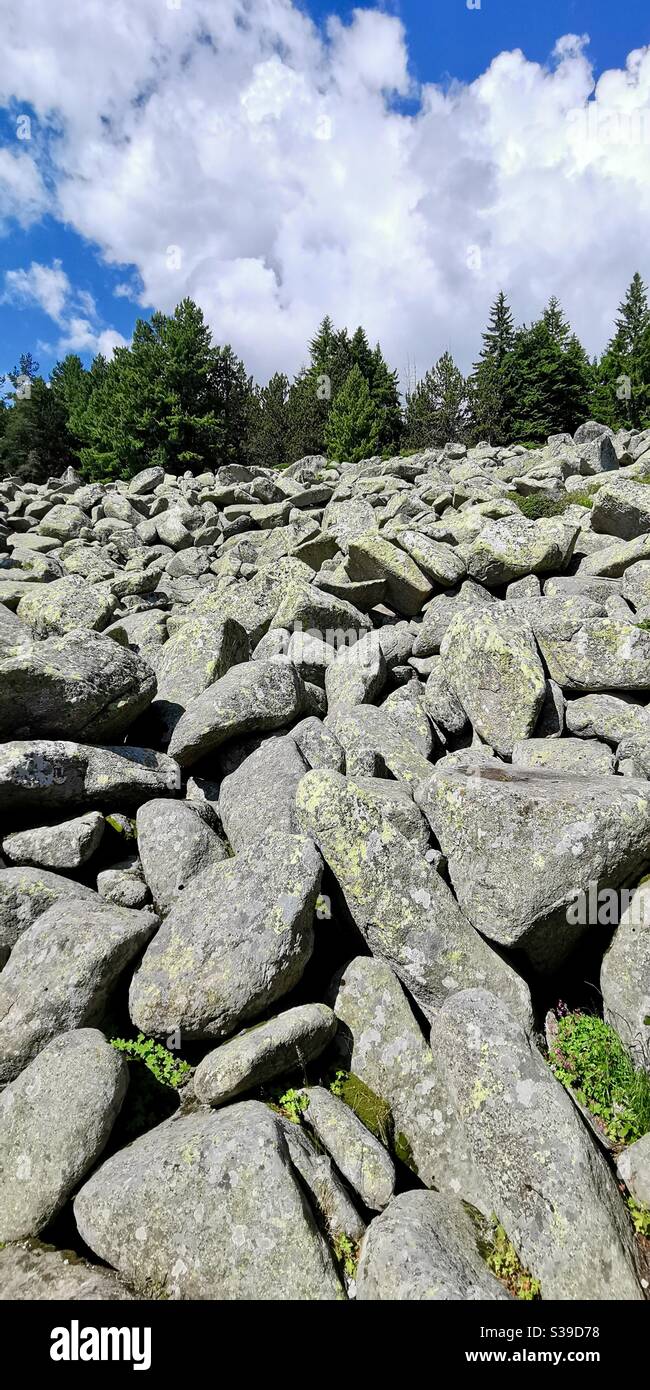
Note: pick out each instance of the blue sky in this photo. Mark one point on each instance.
(277, 172)
(450, 40)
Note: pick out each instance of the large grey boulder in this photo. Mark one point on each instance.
(395, 803)
(439, 562)
(492, 664)
(511, 547)
(64, 522)
(424, 1247)
(251, 603)
(442, 608)
(200, 653)
(358, 1155)
(597, 454)
(357, 674)
(441, 703)
(146, 481)
(608, 717)
(47, 774)
(250, 698)
(208, 1207)
(633, 1166)
(524, 845)
(25, 893)
(80, 686)
(625, 975)
(262, 792)
(65, 604)
(61, 972)
(55, 1119)
(319, 747)
(406, 707)
(282, 1044)
(382, 1043)
(175, 843)
(40, 1273)
(66, 845)
(237, 939)
(376, 746)
(404, 909)
(549, 1184)
(636, 588)
(578, 756)
(348, 518)
(306, 608)
(610, 561)
(595, 654)
(373, 557)
(622, 508)
(328, 1193)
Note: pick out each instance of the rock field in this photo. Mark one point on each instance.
(304, 776)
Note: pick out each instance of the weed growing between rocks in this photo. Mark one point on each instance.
(535, 505)
(346, 1251)
(588, 1056)
(504, 1262)
(163, 1065)
(640, 1217)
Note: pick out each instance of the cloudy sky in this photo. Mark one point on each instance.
(394, 165)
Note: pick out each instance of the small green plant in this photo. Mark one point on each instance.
(505, 1264)
(347, 1254)
(640, 1217)
(588, 1056)
(292, 1103)
(537, 504)
(168, 1070)
(644, 624)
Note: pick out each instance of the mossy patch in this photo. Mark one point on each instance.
(374, 1112)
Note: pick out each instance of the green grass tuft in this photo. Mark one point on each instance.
(588, 1056)
(538, 505)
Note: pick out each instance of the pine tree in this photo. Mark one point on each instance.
(499, 335)
(306, 418)
(354, 423)
(171, 398)
(333, 354)
(384, 389)
(552, 379)
(71, 384)
(490, 384)
(556, 326)
(621, 396)
(35, 444)
(436, 411)
(634, 318)
(267, 435)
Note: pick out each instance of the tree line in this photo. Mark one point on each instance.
(173, 397)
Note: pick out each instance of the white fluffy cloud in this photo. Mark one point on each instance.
(73, 311)
(45, 285)
(232, 151)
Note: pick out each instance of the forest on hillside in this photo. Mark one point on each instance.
(175, 398)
